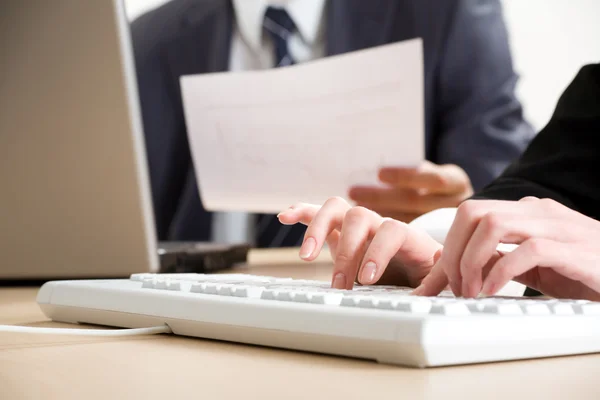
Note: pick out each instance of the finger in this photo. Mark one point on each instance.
(305, 213)
(324, 222)
(402, 217)
(398, 216)
(572, 264)
(437, 281)
(529, 198)
(387, 241)
(332, 242)
(402, 200)
(358, 227)
(440, 179)
(495, 228)
(300, 213)
(410, 247)
(467, 218)
(434, 283)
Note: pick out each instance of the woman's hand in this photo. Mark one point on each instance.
(364, 246)
(558, 252)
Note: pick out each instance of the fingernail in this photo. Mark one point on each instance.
(339, 281)
(368, 273)
(308, 247)
(285, 212)
(418, 291)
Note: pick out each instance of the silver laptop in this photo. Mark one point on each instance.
(74, 191)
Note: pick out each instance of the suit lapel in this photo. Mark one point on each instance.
(359, 24)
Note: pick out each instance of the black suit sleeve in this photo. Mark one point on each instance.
(561, 162)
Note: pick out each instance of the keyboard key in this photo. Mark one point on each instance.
(210, 288)
(197, 288)
(160, 284)
(326, 298)
(415, 305)
(225, 290)
(474, 305)
(301, 297)
(455, 308)
(284, 296)
(148, 283)
(502, 308)
(384, 304)
(349, 301)
(560, 307)
(268, 294)
(587, 308)
(248, 291)
(535, 308)
(366, 302)
(302, 283)
(141, 277)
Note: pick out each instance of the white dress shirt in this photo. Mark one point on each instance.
(250, 50)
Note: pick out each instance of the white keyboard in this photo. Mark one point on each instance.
(380, 323)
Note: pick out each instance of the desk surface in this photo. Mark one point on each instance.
(50, 367)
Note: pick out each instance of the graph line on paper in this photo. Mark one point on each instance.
(338, 157)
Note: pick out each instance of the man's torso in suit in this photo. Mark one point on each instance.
(472, 116)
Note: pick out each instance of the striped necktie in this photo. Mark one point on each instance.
(269, 231)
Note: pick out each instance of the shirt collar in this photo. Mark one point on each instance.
(306, 14)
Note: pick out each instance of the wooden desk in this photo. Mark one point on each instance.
(163, 367)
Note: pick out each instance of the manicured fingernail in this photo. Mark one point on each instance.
(308, 247)
(339, 281)
(288, 211)
(368, 273)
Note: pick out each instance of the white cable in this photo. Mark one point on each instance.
(85, 332)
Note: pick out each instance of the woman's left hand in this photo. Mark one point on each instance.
(558, 252)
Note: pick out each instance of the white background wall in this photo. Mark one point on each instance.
(550, 39)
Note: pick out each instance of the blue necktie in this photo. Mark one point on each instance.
(269, 231)
(279, 26)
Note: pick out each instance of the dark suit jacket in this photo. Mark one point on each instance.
(472, 116)
(561, 161)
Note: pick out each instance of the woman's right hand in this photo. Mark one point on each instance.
(365, 247)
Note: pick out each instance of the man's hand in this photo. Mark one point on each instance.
(411, 192)
(364, 245)
(558, 251)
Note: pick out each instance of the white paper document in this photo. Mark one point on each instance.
(264, 140)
